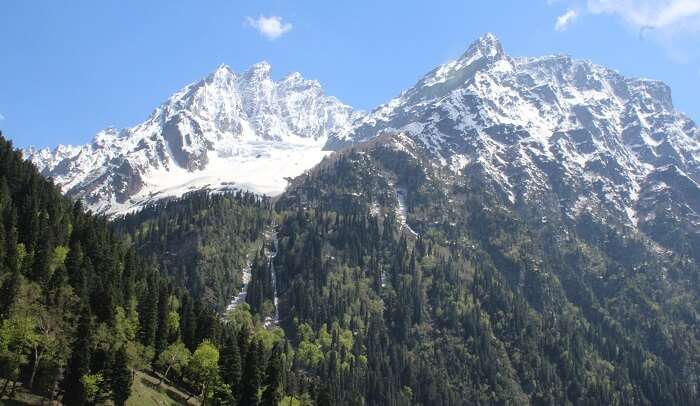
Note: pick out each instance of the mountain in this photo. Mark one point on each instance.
(79, 300)
(554, 133)
(508, 231)
(227, 130)
(548, 236)
(471, 299)
(548, 131)
(489, 302)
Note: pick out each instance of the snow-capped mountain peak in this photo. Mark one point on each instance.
(227, 130)
(261, 70)
(488, 46)
(223, 71)
(551, 131)
(591, 139)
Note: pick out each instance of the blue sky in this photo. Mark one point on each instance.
(69, 69)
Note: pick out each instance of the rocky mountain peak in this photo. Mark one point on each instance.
(260, 70)
(224, 131)
(222, 74)
(488, 46)
(587, 137)
(584, 135)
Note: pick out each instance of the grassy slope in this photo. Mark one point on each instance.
(144, 392)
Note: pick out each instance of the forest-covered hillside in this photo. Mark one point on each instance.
(374, 280)
(83, 308)
(202, 240)
(473, 302)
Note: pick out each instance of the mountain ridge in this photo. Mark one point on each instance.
(587, 137)
(227, 130)
(534, 119)
(506, 231)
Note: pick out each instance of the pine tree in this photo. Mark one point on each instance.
(222, 395)
(42, 257)
(162, 330)
(121, 378)
(188, 322)
(74, 264)
(272, 394)
(79, 362)
(148, 312)
(251, 379)
(244, 344)
(8, 292)
(230, 362)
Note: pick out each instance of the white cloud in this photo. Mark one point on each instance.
(565, 20)
(1, 117)
(670, 15)
(270, 27)
(673, 24)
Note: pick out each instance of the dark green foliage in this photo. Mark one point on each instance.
(222, 395)
(243, 341)
(161, 337)
(230, 361)
(79, 362)
(201, 240)
(260, 288)
(188, 322)
(120, 378)
(486, 304)
(74, 296)
(252, 375)
(148, 311)
(272, 393)
(8, 291)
